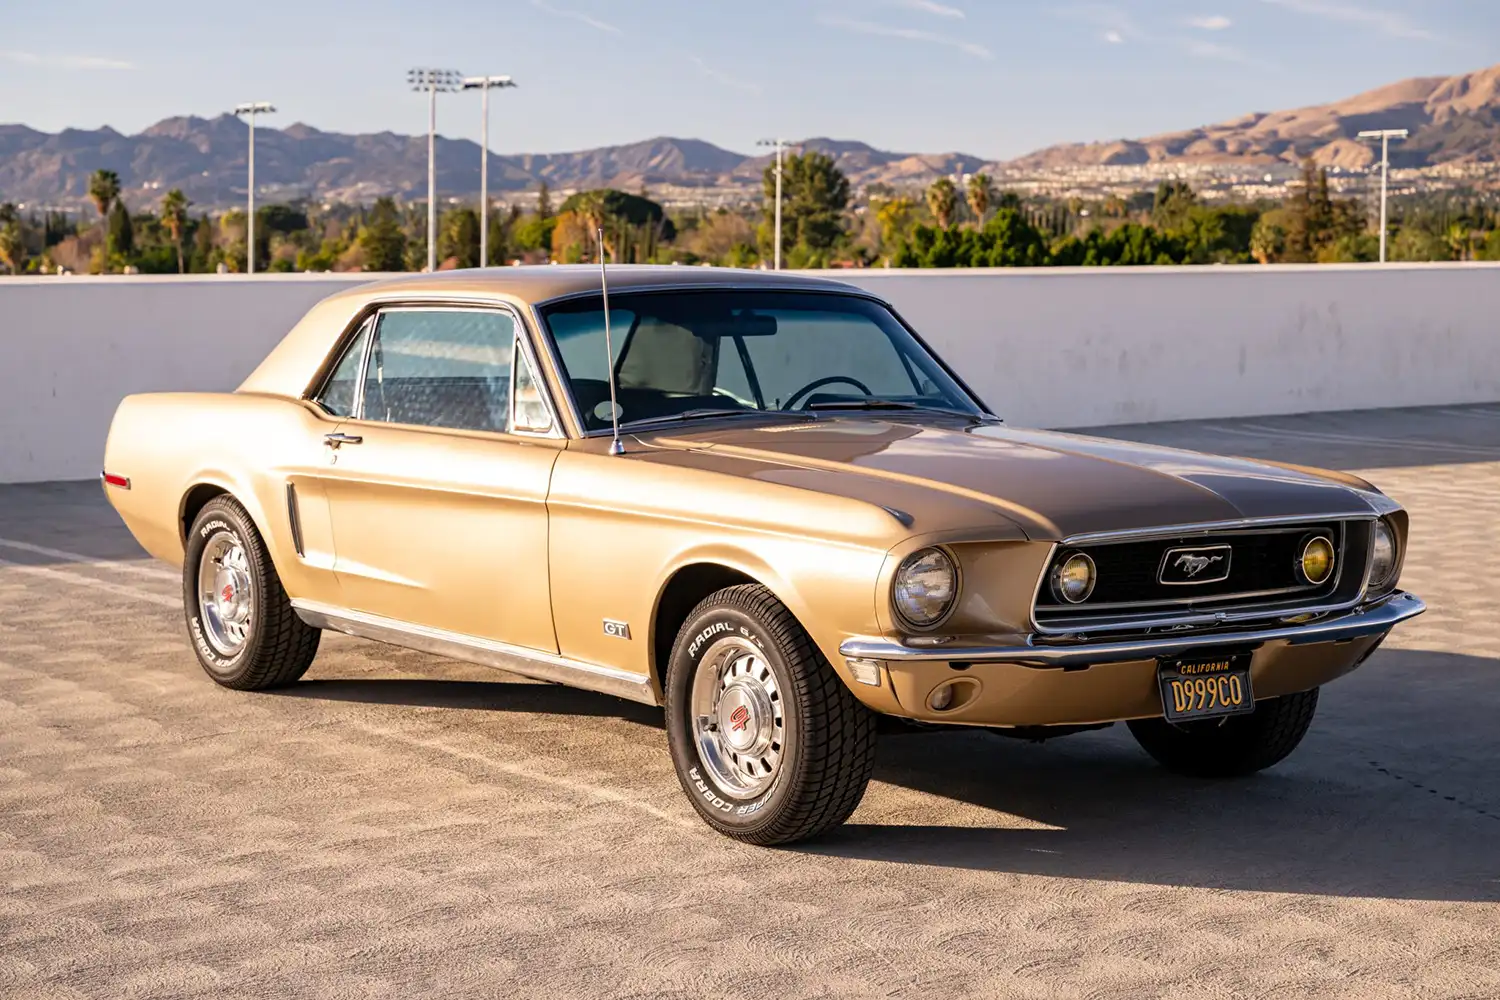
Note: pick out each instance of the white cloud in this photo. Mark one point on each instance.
(931, 7)
(909, 34)
(744, 86)
(1384, 21)
(1115, 26)
(577, 15)
(1214, 22)
(54, 61)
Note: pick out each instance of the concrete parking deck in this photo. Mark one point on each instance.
(401, 826)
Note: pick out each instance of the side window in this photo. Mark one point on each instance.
(441, 368)
(532, 414)
(340, 391)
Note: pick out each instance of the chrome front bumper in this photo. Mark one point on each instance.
(1373, 619)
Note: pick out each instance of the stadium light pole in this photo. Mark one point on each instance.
(1385, 135)
(780, 145)
(248, 112)
(485, 84)
(433, 81)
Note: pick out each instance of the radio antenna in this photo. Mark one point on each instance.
(616, 446)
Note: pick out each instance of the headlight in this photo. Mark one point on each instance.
(1317, 560)
(1073, 578)
(925, 587)
(1383, 557)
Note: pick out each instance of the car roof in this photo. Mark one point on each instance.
(543, 282)
(290, 368)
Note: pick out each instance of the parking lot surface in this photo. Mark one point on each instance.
(401, 826)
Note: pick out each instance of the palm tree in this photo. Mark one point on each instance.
(174, 215)
(981, 193)
(942, 198)
(594, 214)
(1460, 241)
(104, 188)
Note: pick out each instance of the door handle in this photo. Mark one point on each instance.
(334, 440)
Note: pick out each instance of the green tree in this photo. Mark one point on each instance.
(942, 200)
(815, 194)
(981, 194)
(458, 238)
(12, 247)
(1174, 204)
(381, 238)
(543, 201)
(120, 240)
(1268, 240)
(104, 189)
(174, 217)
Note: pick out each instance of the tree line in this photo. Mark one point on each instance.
(824, 224)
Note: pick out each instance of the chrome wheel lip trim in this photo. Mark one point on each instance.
(226, 599)
(737, 666)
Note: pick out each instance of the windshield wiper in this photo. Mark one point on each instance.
(889, 404)
(705, 413)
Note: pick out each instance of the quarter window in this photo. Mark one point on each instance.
(441, 368)
(340, 392)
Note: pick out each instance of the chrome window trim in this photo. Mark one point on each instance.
(1229, 614)
(521, 350)
(544, 338)
(346, 340)
(544, 334)
(728, 285)
(449, 304)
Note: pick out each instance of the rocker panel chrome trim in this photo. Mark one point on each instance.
(486, 652)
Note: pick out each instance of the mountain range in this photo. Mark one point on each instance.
(1452, 119)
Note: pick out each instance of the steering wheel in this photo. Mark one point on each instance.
(819, 383)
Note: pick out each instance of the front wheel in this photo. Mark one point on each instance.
(768, 743)
(1231, 747)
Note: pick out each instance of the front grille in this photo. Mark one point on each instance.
(1263, 572)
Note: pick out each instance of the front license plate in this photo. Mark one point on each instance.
(1205, 688)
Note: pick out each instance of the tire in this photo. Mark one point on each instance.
(743, 663)
(251, 639)
(1234, 747)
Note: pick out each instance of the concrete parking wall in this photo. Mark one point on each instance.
(1049, 348)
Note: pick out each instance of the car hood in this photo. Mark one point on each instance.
(1052, 485)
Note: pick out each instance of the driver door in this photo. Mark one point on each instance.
(435, 491)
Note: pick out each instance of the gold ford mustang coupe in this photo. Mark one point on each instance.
(759, 501)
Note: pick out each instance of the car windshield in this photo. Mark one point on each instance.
(688, 355)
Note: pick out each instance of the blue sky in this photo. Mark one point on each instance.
(995, 78)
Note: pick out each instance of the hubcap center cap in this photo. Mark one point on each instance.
(745, 717)
(232, 594)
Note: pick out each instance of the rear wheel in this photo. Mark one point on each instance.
(239, 618)
(768, 743)
(1231, 747)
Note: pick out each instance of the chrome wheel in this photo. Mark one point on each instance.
(225, 599)
(737, 718)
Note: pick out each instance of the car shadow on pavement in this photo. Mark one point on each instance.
(477, 696)
(1389, 798)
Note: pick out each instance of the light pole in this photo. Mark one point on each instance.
(249, 111)
(780, 145)
(1385, 135)
(484, 84)
(433, 81)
